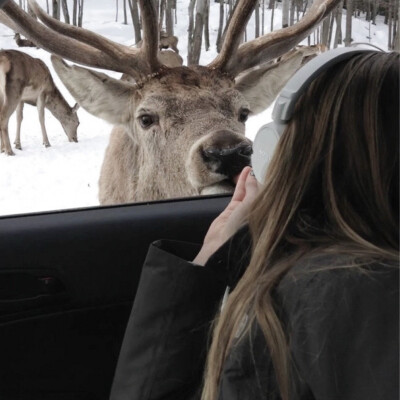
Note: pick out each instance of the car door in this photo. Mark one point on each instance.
(67, 283)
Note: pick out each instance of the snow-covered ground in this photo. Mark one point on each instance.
(65, 175)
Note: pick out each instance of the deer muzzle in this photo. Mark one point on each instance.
(229, 161)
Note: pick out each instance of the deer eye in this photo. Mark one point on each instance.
(244, 114)
(146, 120)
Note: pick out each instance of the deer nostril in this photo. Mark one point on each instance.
(242, 150)
(228, 161)
(211, 154)
(246, 150)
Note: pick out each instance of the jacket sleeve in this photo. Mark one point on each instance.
(344, 332)
(164, 348)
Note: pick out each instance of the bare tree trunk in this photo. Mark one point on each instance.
(291, 12)
(257, 17)
(396, 45)
(75, 13)
(65, 11)
(56, 9)
(169, 17)
(206, 26)
(338, 33)
(125, 15)
(367, 8)
(262, 16)
(80, 12)
(325, 31)
(385, 21)
(161, 14)
(194, 54)
(332, 20)
(375, 7)
(47, 7)
(396, 26)
(299, 8)
(221, 24)
(390, 21)
(349, 14)
(228, 17)
(116, 10)
(358, 6)
(191, 30)
(311, 37)
(285, 13)
(133, 6)
(272, 3)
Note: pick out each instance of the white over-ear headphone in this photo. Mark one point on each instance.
(267, 137)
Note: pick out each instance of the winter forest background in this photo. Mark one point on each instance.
(66, 174)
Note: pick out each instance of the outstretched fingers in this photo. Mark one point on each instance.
(246, 187)
(240, 190)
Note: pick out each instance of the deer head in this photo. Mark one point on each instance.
(180, 131)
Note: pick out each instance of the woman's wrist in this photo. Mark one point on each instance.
(204, 254)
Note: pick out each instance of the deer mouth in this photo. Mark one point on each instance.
(225, 186)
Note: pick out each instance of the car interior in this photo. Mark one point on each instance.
(67, 283)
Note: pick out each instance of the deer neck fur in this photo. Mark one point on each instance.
(142, 180)
(57, 105)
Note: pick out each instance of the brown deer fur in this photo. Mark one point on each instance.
(24, 79)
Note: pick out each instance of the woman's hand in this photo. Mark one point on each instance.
(232, 218)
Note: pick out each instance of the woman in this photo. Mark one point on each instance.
(313, 306)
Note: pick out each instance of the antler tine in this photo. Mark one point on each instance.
(241, 14)
(274, 44)
(7, 21)
(82, 35)
(73, 49)
(149, 46)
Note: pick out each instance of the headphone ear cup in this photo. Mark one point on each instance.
(264, 146)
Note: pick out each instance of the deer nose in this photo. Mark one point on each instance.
(229, 161)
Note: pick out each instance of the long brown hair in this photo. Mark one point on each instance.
(332, 185)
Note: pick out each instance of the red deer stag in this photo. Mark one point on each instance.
(179, 131)
(24, 79)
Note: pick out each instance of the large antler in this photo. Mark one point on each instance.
(85, 47)
(234, 59)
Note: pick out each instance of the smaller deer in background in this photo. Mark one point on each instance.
(168, 42)
(168, 52)
(24, 79)
(23, 42)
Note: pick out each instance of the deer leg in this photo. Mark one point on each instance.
(40, 106)
(20, 116)
(10, 103)
(1, 141)
(5, 113)
(5, 140)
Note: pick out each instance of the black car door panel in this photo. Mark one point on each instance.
(67, 283)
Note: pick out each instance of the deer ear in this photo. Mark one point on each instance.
(261, 86)
(105, 97)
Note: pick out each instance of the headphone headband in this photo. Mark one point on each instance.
(296, 85)
(269, 134)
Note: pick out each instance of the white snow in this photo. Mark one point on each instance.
(65, 175)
